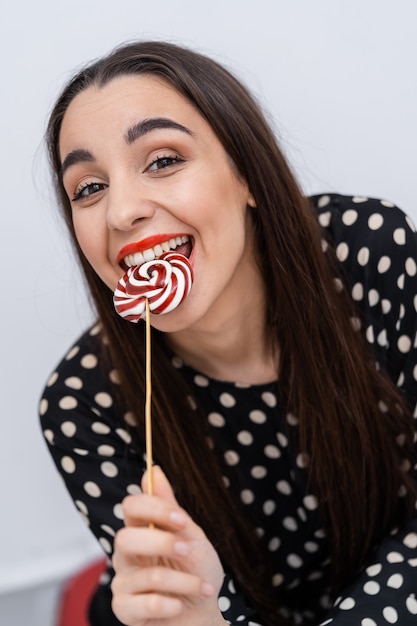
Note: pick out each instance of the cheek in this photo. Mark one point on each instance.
(90, 239)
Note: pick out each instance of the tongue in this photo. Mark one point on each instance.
(184, 249)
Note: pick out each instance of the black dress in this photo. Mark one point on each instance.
(100, 454)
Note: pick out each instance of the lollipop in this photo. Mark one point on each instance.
(157, 286)
(164, 282)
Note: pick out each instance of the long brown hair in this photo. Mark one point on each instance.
(327, 377)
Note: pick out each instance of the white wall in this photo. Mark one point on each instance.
(339, 81)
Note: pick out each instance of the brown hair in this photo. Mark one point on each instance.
(327, 377)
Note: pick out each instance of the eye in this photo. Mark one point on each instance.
(163, 162)
(87, 190)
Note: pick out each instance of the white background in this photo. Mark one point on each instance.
(338, 79)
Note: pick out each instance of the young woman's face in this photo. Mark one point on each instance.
(141, 167)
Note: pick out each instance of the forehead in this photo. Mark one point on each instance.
(123, 101)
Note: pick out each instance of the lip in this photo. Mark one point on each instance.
(145, 244)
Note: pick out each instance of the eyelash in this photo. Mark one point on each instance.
(161, 159)
(79, 195)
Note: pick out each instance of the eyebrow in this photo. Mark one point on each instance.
(154, 123)
(76, 156)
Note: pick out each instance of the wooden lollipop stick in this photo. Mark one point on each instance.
(148, 416)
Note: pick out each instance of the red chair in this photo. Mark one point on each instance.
(75, 599)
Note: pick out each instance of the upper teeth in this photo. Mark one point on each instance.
(153, 253)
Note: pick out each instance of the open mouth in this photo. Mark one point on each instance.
(181, 244)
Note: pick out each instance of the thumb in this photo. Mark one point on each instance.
(159, 483)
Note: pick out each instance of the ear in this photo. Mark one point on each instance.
(251, 200)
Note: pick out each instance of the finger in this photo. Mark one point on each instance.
(161, 485)
(133, 543)
(159, 579)
(136, 609)
(141, 510)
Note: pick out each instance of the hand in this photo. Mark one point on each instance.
(167, 572)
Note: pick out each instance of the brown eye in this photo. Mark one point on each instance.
(87, 190)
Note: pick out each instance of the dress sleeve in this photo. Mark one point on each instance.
(376, 244)
(94, 447)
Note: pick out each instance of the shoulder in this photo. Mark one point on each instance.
(362, 220)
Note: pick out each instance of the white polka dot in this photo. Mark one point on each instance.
(349, 217)
(50, 435)
(356, 323)
(363, 256)
(311, 547)
(89, 361)
(227, 400)
(105, 544)
(282, 440)
(277, 580)
(357, 292)
(386, 306)
(395, 581)
(109, 469)
(224, 603)
(52, 379)
(258, 417)
(410, 267)
(258, 471)
(384, 264)
(375, 221)
(247, 496)
(100, 428)
(372, 588)
(290, 523)
(81, 507)
(129, 418)
(269, 507)
(395, 557)
(106, 450)
(410, 223)
(410, 541)
(118, 511)
(231, 457)
(68, 428)
(92, 489)
(292, 420)
(359, 199)
(274, 544)
(133, 489)
(301, 513)
(324, 201)
(216, 419)
(347, 604)
(373, 297)
(269, 398)
(68, 402)
(302, 460)
(404, 344)
(390, 615)
(245, 438)
(399, 236)
(373, 570)
(411, 604)
(294, 560)
(342, 251)
(114, 376)
(68, 464)
(71, 354)
(74, 382)
(124, 435)
(338, 284)
(103, 399)
(272, 452)
(370, 334)
(201, 381)
(382, 338)
(368, 622)
(311, 503)
(284, 487)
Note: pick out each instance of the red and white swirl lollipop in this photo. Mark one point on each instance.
(165, 282)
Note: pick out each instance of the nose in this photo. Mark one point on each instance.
(127, 205)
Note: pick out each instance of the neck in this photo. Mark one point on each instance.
(234, 347)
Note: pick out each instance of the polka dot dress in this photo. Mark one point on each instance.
(100, 455)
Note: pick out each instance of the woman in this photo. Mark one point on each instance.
(283, 385)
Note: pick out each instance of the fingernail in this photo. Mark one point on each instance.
(181, 548)
(178, 518)
(207, 590)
